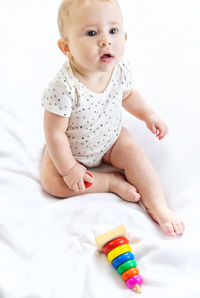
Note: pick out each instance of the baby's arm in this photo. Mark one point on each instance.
(74, 174)
(136, 105)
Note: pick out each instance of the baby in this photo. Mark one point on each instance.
(83, 114)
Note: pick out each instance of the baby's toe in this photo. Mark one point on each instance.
(132, 194)
(179, 227)
(182, 226)
(169, 229)
(137, 197)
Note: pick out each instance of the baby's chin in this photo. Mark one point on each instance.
(107, 65)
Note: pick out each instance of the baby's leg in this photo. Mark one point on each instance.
(128, 155)
(54, 184)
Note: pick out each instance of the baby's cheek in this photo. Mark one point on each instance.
(84, 46)
(82, 49)
(85, 56)
(119, 47)
(87, 53)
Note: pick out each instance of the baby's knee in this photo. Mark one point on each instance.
(54, 185)
(132, 147)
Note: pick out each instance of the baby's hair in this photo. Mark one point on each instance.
(64, 12)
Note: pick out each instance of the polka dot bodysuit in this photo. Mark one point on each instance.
(95, 119)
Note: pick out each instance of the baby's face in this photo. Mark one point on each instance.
(96, 29)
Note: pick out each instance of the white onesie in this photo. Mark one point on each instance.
(95, 119)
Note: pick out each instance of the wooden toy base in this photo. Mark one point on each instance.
(101, 240)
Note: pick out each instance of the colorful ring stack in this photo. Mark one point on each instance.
(119, 253)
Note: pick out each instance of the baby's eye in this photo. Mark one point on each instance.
(91, 33)
(113, 31)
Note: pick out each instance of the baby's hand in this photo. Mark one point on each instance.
(157, 126)
(76, 176)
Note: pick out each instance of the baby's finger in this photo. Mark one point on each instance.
(162, 132)
(81, 186)
(153, 128)
(165, 131)
(69, 185)
(159, 133)
(75, 187)
(160, 136)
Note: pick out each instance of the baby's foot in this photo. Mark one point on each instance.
(121, 187)
(168, 220)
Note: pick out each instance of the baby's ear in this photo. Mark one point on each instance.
(125, 36)
(63, 46)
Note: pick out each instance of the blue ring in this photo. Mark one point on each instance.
(122, 259)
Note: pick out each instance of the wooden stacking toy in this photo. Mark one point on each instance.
(115, 246)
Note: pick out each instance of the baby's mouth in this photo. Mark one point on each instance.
(107, 58)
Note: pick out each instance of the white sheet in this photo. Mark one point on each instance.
(47, 246)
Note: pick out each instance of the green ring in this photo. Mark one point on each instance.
(126, 265)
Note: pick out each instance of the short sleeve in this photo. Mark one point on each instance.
(57, 99)
(126, 76)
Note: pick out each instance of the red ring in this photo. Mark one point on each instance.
(88, 184)
(114, 243)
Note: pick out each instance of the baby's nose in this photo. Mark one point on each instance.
(104, 42)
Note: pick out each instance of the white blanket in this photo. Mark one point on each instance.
(47, 246)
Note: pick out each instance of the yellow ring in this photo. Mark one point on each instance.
(119, 251)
